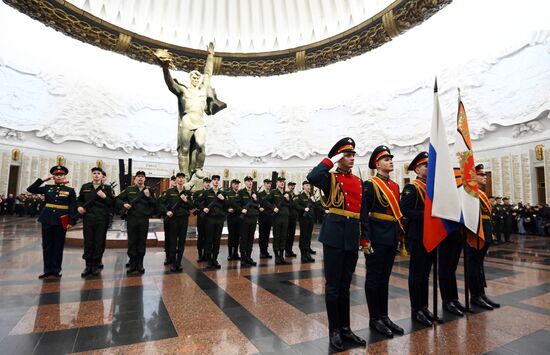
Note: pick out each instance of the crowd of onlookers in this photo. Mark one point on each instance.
(531, 219)
(520, 218)
(21, 205)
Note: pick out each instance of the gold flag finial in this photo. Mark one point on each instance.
(60, 160)
(99, 163)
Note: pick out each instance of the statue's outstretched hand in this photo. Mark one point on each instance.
(210, 48)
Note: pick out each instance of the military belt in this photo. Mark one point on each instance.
(344, 213)
(59, 207)
(486, 217)
(382, 216)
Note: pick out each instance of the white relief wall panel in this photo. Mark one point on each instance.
(506, 176)
(517, 178)
(526, 175)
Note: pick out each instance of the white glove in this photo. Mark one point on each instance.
(337, 158)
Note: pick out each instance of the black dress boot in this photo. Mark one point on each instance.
(303, 256)
(480, 302)
(309, 258)
(490, 301)
(450, 307)
(335, 340)
(249, 260)
(311, 251)
(420, 317)
(379, 326)
(87, 271)
(394, 327)
(347, 334)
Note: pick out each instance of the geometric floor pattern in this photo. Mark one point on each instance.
(267, 309)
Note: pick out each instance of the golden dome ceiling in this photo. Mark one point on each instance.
(252, 37)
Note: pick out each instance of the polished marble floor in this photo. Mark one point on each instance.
(264, 309)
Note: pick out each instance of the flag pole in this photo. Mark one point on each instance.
(466, 281)
(435, 287)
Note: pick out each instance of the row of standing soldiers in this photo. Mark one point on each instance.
(372, 216)
(242, 208)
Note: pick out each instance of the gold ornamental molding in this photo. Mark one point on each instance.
(389, 24)
(123, 42)
(394, 20)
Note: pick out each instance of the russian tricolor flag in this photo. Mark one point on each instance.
(442, 207)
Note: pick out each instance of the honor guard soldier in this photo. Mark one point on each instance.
(165, 225)
(233, 221)
(139, 203)
(264, 221)
(278, 201)
(292, 218)
(201, 235)
(248, 209)
(95, 203)
(305, 207)
(420, 264)
(174, 204)
(213, 204)
(508, 219)
(477, 252)
(382, 220)
(340, 237)
(498, 219)
(58, 215)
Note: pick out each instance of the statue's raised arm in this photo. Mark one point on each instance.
(165, 60)
(209, 67)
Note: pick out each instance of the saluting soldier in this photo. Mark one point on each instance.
(278, 202)
(233, 221)
(292, 218)
(166, 225)
(383, 228)
(174, 204)
(264, 221)
(139, 203)
(201, 234)
(340, 237)
(420, 264)
(305, 207)
(477, 252)
(58, 215)
(95, 203)
(248, 210)
(213, 204)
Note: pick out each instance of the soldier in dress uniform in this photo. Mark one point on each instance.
(201, 235)
(305, 207)
(382, 218)
(292, 218)
(139, 203)
(339, 235)
(233, 221)
(508, 219)
(166, 225)
(420, 264)
(213, 204)
(95, 203)
(449, 256)
(58, 215)
(498, 219)
(248, 210)
(278, 202)
(174, 204)
(476, 253)
(264, 222)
